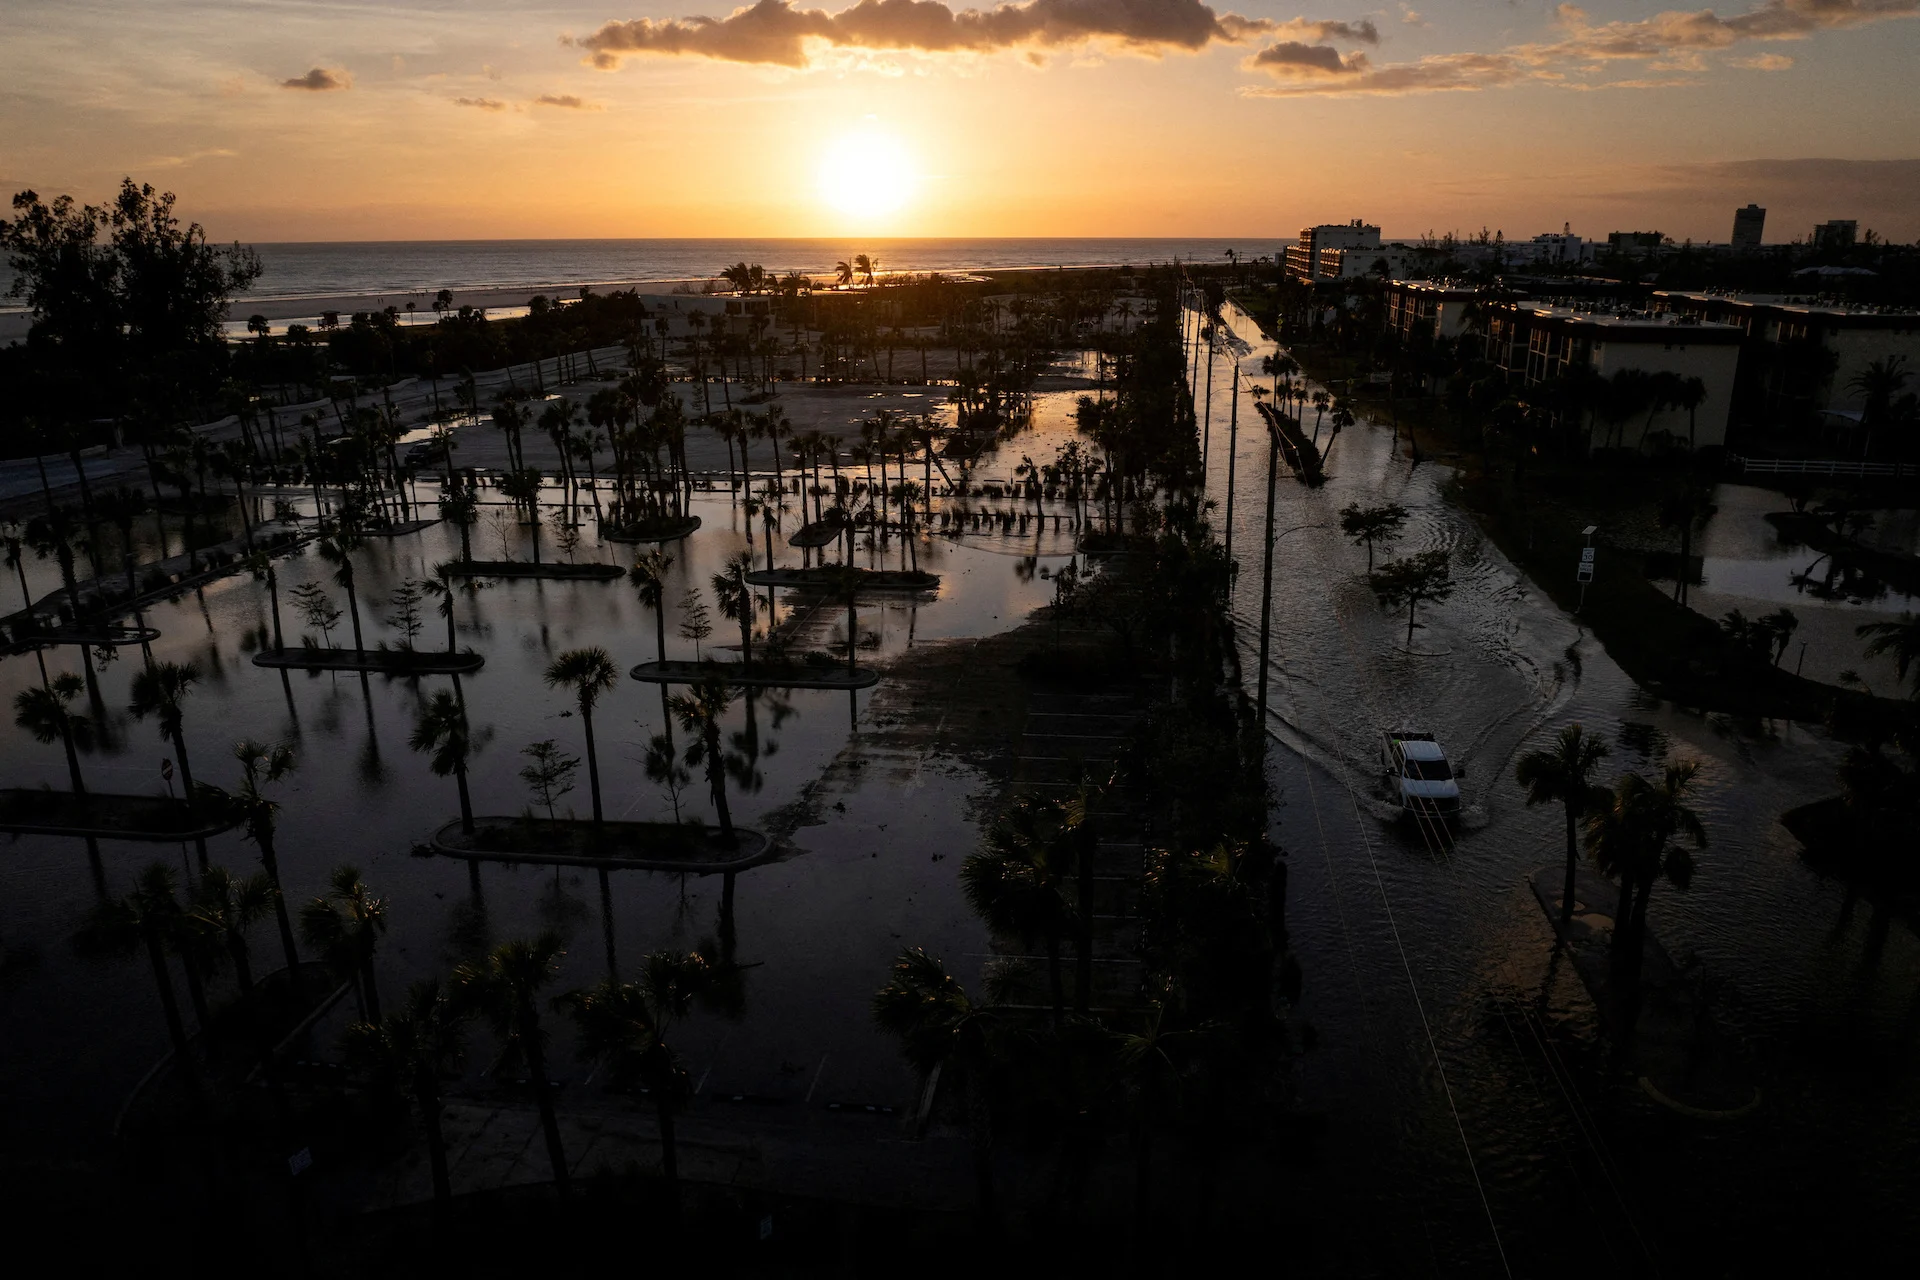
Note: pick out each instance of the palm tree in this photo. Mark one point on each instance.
(1900, 638)
(940, 1028)
(843, 273)
(736, 599)
(408, 1051)
(230, 905)
(261, 764)
(505, 988)
(700, 713)
(1877, 385)
(625, 1026)
(1633, 836)
(1020, 884)
(338, 552)
(442, 729)
(649, 578)
(1564, 772)
(1689, 394)
(146, 918)
(46, 713)
(589, 673)
(345, 926)
(158, 690)
(1682, 507)
(447, 585)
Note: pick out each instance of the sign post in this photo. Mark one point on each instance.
(1585, 574)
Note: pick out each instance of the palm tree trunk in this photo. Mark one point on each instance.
(353, 607)
(466, 801)
(169, 1005)
(593, 761)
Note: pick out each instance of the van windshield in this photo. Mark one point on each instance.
(1429, 770)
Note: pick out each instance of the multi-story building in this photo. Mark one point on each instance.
(1332, 251)
(1634, 241)
(1802, 357)
(1840, 233)
(1747, 225)
(1536, 342)
(1551, 248)
(1438, 308)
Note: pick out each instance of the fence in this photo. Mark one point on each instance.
(1823, 467)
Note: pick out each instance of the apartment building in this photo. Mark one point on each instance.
(1748, 223)
(1333, 251)
(1437, 307)
(1802, 355)
(1535, 342)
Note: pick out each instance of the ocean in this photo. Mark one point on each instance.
(373, 268)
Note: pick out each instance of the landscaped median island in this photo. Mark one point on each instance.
(402, 662)
(592, 570)
(818, 671)
(29, 811)
(643, 846)
(836, 578)
(668, 530)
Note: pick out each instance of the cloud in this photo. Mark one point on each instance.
(1674, 41)
(484, 104)
(566, 100)
(776, 33)
(1291, 58)
(320, 79)
(1413, 18)
(1435, 73)
(180, 162)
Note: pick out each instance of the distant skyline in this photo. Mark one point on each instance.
(480, 119)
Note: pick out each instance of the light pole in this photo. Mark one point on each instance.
(1585, 575)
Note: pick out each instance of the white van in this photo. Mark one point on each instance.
(1418, 770)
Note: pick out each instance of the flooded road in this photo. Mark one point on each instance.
(1460, 1066)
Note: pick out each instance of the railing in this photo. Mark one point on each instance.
(1823, 467)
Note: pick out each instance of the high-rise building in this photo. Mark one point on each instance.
(1320, 254)
(1747, 224)
(1837, 234)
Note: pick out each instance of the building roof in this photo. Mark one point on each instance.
(1634, 326)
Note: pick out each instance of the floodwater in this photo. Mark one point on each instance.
(1460, 1066)
(816, 930)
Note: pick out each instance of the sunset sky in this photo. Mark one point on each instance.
(277, 120)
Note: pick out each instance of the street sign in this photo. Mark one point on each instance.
(1586, 555)
(166, 768)
(300, 1161)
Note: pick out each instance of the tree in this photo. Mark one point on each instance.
(230, 905)
(625, 1025)
(405, 618)
(158, 690)
(549, 772)
(1409, 581)
(1020, 883)
(1565, 773)
(940, 1027)
(1779, 627)
(663, 766)
(46, 713)
(1633, 836)
(338, 552)
(345, 926)
(696, 622)
(649, 579)
(260, 819)
(145, 919)
(407, 1052)
(316, 609)
(461, 508)
(736, 598)
(1878, 385)
(700, 713)
(1900, 638)
(446, 585)
(589, 673)
(505, 989)
(1380, 525)
(1683, 506)
(442, 729)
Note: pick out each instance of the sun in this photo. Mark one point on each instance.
(867, 175)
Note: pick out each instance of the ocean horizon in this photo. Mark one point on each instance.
(373, 268)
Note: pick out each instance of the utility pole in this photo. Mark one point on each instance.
(1266, 585)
